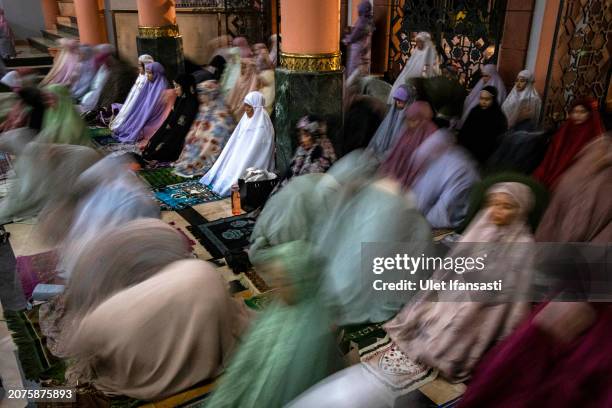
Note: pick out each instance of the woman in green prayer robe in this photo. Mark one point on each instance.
(62, 123)
(291, 345)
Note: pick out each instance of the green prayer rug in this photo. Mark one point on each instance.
(163, 177)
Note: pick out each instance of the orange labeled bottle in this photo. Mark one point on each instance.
(236, 210)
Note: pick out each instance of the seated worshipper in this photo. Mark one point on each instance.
(44, 173)
(65, 65)
(489, 78)
(167, 143)
(212, 71)
(208, 134)
(580, 209)
(86, 72)
(582, 126)
(106, 195)
(359, 42)
(447, 331)
(482, 130)
(61, 121)
(101, 61)
(423, 62)
(7, 38)
(315, 153)
(520, 150)
(291, 346)
(247, 82)
(368, 209)
(418, 127)
(117, 265)
(125, 109)
(262, 57)
(243, 45)
(441, 175)
(28, 110)
(232, 72)
(251, 145)
(363, 117)
(390, 130)
(150, 108)
(266, 85)
(523, 105)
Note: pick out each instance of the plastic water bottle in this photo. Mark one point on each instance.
(236, 210)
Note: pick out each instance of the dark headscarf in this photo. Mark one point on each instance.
(218, 62)
(31, 96)
(483, 127)
(362, 119)
(167, 143)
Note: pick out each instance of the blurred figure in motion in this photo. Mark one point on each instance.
(87, 71)
(444, 329)
(366, 209)
(209, 132)
(290, 346)
(582, 126)
(360, 41)
(65, 65)
(7, 38)
(392, 127)
(62, 122)
(44, 173)
(102, 62)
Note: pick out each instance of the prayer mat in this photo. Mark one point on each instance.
(225, 236)
(35, 269)
(153, 165)
(117, 149)
(36, 360)
(100, 131)
(104, 140)
(158, 178)
(389, 366)
(259, 302)
(187, 194)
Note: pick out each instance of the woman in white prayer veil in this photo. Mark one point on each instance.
(422, 63)
(132, 97)
(251, 145)
(523, 104)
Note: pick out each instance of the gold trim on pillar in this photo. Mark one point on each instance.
(167, 31)
(311, 62)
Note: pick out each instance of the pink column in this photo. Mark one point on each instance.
(50, 11)
(310, 26)
(156, 13)
(90, 19)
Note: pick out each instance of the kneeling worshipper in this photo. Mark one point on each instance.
(232, 72)
(484, 126)
(65, 67)
(315, 154)
(368, 209)
(150, 109)
(140, 295)
(167, 143)
(44, 173)
(423, 62)
(390, 130)
(243, 45)
(580, 209)
(251, 145)
(560, 357)
(106, 195)
(522, 107)
(62, 123)
(247, 82)
(291, 346)
(7, 38)
(449, 330)
(441, 175)
(363, 117)
(28, 111)
(582, 126)
(101, 61)
(208, 135)
(418, 127)
(490, 78)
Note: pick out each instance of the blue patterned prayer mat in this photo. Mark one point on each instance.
(183, 195)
